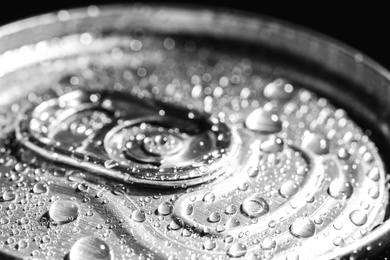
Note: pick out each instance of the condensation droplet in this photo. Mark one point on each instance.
(165, 208)
(339, 188)
(209, 244)
(262, 121)
(9, 195)
(176, 224)
(288, 189)
(302, 227)
(189, 209)
(214, 217)
(230, 210)
(272, 145)
(138, 216)
(358, 217)
(232, 222)
(278, 90)
(254, 206)
(64, 211)
(268, 243)
(338, 241)
(315, 143)
(90, 248)
(374, 174)
(40, 188)
(253, 172)
(237, 250)
(209, 197)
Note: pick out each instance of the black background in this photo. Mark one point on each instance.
(364, 26)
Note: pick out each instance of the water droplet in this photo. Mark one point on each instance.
(209, 197)
(165, 208)
(253, 172)
(82, 187)
(22, 244)
(358, 217)
(176, 224)
(343, 154)
(9, 195)
(237, 250)
(278, 90)
(268, 243)
(40, 188)
(316, 143)
(302, 227)
(373, 192)
(90, 248)
(254, 206)
(209, 244)
(64, 211)
(288, 189)
(232, 222)
(272, 145)
(374, 174)
(4, 220)
(138, 216)
(230, 210)
(214, 217)
(186, 232)
(272, 224)
(338, 241)
(262, 121)
(338, 189)
(189, 209)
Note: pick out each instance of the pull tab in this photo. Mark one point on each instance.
(135, 140)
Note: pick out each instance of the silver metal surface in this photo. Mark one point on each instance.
(168, 133)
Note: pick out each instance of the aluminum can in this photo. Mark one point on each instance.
(151, 132)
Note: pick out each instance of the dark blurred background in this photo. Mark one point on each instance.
(363, 26)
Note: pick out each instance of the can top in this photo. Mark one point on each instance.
(172, 133)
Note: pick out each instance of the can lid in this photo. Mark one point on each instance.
(135, 140)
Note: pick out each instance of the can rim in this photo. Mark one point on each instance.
(214, 13)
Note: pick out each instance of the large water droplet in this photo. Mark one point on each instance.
(278, 90)
(176, 224)
(209, 197)
(374, 174)
(262, 121)
(254, 206)
(64, 211)
(165, 208)
(230, 210)
(90, 248)
(268, 243)
(232, 222)
(316, 143)
(214, 217)
(358, 217)
(189, 209)
(272, 145)
(338, 188)
(237, 250)
(138, 216)
(40, 188)
(209, 244)
(288, 189)
(302, 227)
(9, 195)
